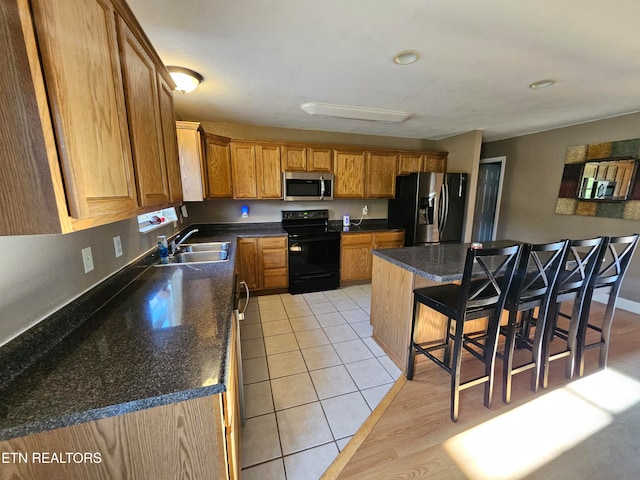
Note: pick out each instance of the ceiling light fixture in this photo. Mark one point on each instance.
(354, 113)
(406, 58)
(541, 84)
(186, 80)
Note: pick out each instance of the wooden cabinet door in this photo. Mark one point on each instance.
(349, 169)
(144, 120)
(218, 167)
(244, 172)
(269, 171)
(319, 159)
(381, 174)
(273, 262)
(81, 64)
(169, 140)
(388, 240)
(247, 262)
(355, 256)
(435, 162)
(410, 163)
(294, 158)
(191, 154)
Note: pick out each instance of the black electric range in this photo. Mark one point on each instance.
(314, 251)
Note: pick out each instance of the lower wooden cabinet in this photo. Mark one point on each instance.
(355, 252)
(188, 439)
(263, 262)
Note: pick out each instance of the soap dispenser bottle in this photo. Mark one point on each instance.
(163, 249)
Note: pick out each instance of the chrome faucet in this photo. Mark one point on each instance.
(175, 246)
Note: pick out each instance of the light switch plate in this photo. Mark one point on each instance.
(117, 246)
(87, 259)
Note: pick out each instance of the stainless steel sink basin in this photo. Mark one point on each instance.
(195, 253)
(204, 247)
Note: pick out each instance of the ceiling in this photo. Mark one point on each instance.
(262, 59)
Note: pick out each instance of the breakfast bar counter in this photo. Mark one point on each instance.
(396, 274)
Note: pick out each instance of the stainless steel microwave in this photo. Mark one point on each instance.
(299, 186)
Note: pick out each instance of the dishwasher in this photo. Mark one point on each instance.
(238, 316)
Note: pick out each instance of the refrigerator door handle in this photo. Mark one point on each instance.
(444, 203)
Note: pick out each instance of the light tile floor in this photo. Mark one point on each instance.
(312, 375)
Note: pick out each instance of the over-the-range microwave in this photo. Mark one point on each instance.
(299, 186)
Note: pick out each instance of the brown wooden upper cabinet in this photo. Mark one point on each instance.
(349, 170)
(191, 151)
(84, 80)
(143, 110)
(85, 90)
(256, 170)
(381, 174)
(300, 158)
(218, 167)
(170, 141)
(412, 162)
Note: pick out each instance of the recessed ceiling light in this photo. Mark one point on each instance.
(186, 80)
(406, 58)
(542, 84)
(354, 113)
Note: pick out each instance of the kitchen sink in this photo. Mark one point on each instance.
(194, 253)
(205, 247)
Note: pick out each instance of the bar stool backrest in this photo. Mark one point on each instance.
(537, 273)
(487, 276)
(614, 261)
(579, 266)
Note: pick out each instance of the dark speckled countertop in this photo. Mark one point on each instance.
(374, 225)
(161, 337)
(440, 262)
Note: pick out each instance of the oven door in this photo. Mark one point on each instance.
(314, 263)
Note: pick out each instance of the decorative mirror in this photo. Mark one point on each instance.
(600, 180)
(607, 179)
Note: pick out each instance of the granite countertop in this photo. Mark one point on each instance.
(442, 262)
(375, 225)
(160, 338)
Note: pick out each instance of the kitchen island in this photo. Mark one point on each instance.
(138, 378)
(396, 274)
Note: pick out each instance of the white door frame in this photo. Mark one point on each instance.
(502, 161)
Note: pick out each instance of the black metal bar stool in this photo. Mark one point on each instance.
(572, 284)
(607, 279)
(532, 288)
(486, 279)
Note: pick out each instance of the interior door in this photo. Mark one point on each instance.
(485, 219)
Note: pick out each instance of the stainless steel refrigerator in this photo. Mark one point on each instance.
(430, 207)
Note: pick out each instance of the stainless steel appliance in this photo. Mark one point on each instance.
(314, 251)
(430, 207)
(298, 186)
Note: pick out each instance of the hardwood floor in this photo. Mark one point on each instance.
(584, 429)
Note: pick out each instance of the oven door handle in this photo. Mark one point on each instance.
(318, 275)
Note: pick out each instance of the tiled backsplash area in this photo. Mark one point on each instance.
(312, 376)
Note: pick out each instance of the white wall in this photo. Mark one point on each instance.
(41, 273)
(228, 211)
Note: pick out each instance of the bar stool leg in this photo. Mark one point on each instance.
(412, 350)
(491, 346)
(455, 370)
(508, 356)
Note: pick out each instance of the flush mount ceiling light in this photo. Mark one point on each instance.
(186, 80)
(406, 58)
(354, 113)
(541, 84)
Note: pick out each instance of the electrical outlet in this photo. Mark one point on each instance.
(87, 259)
(117, 245)
(365, 211)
